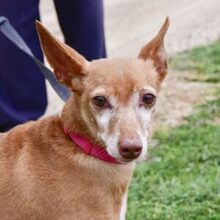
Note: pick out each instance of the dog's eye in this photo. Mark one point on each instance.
(148, 99)
(100, 101)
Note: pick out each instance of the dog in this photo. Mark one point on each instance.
(78, 165)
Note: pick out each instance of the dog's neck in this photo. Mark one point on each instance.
(71, 118)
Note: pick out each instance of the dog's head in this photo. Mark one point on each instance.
(115, 98)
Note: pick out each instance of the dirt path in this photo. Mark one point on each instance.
(130, 24)
(178, 97)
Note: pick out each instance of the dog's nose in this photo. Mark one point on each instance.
(130, 149)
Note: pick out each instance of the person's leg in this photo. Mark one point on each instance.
(82, 24)
(22, 85)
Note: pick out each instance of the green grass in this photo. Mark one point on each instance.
(182, 180)
(204, 60)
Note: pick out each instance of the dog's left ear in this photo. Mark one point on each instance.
(68, 65)
(155, 51)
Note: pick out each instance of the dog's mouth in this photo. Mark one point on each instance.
(125, 161)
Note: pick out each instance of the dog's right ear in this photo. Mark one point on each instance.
(68, 65)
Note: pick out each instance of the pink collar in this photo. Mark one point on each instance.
(91, 149)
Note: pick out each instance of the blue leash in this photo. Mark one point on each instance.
(12, 35)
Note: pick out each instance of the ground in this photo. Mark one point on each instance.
(181, 178)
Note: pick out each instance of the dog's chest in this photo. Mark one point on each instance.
(85, 207)
(78, 199)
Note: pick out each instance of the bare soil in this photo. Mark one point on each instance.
(178, 97)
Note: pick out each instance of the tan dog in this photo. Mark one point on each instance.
(44, 174)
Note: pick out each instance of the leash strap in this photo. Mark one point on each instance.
(7, 29)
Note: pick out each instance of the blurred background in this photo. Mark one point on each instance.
(130, 24)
